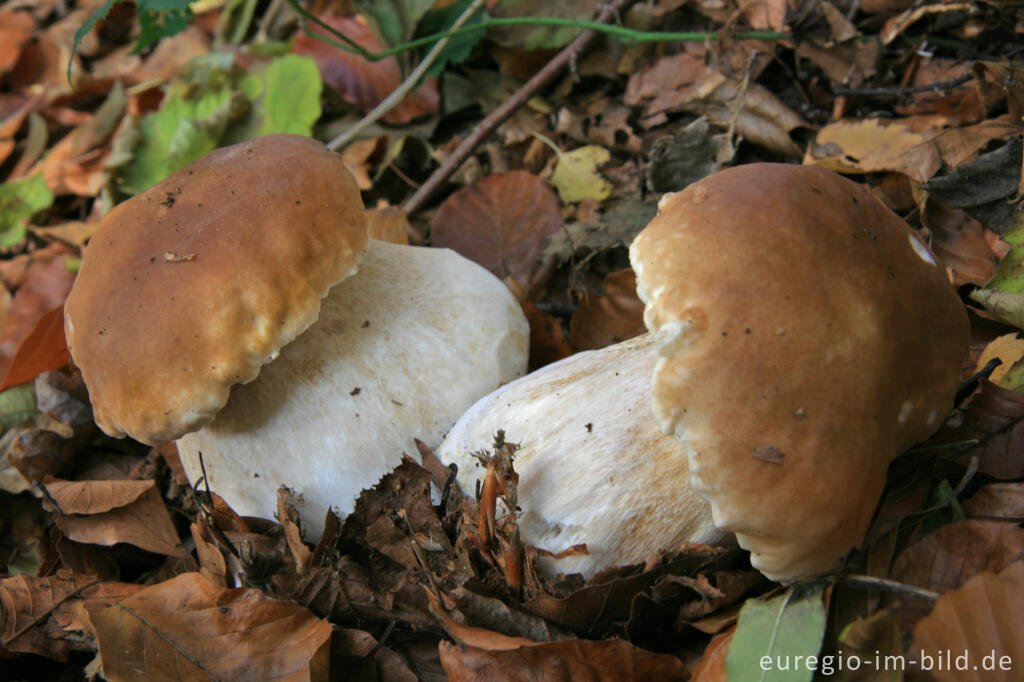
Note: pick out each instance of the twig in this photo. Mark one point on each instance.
(874, 583)
(509, 107)
(903, 92)
(406, 86)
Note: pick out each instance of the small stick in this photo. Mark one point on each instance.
(874, 583)
(509, 107)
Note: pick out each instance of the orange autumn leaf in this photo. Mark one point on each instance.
(43, 350)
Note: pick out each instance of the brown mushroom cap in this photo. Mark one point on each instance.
(807, 338)
(193, 285)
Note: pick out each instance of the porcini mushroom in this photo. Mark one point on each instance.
(192, 286)
(807, 336)
(593, 465)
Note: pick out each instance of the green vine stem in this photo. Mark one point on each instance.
(618, 32)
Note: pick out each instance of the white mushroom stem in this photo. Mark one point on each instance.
(400, 350)
(593, 465)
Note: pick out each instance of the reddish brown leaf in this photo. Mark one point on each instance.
(16, 29)
(44, 349)
(947, 557)
(993, 419)
(503, 223)
(547, 340)
(617, 315)
(979, 626)
(611, 660)
(43, 291)
(963, 244)
(66, 172)
(143, 522)
(18, 270)
(35, 612)
(389, 224)
(187, 628)
(711, 666)
(359, 80)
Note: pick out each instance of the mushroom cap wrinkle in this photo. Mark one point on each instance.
(593, 465)
(807, 337)
(191, 286)
(401, 349)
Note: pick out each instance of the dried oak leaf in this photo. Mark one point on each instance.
(982, 621)
(603, 319)
(361, 81)
(188, 629)
(504, 223)
(610, 660)
(108, 512)
(947, 557)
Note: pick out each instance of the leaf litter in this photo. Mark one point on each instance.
(101, 536)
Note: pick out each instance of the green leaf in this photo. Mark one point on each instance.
(17, 404)
(154, 25)
(83, 30)
(459, 47)
(19, 199)
(395, 20)
(778, 640)
(291, 95)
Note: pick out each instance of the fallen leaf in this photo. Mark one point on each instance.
(863, 642)
(68, 172)
(94, 497)
(44, 291)
(963, 244)
(997, 501)
(16, 29)
(361, 81)
(576, 177)
(1009, 350)
(946, 558)
(711, 665)
(976, 632)
(389, 224)
(610, 660)
(502, 222)
(43, 350)
(19, 200)
(774, 636)
(990, 429)
(603, 319)
(143, 521)
(871, 146)
(188, 629)
(547, 340)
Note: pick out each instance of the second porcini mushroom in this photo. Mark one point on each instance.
(807, 337)
(194, 285)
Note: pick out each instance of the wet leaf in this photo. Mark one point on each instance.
(503, 223)
(784, 628)
(19, 200)
(610, 660)
(188, 629)
(980, 626)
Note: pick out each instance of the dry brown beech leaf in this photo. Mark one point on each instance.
(981, 622)
(188, 629)
(576, 659)
(94, 497)
(504, 223)
(997, 501)
(144, 521)
(389, 224)
(963, 244)
(994, 419)
(547, 339)
(947, 557)
(870, 146)
(35, 613)
(45, 289)
(361, 81)
(617, 315)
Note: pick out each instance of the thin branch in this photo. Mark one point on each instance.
(406, 86)
(509, 107)
(903, 92)
(874, 583)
